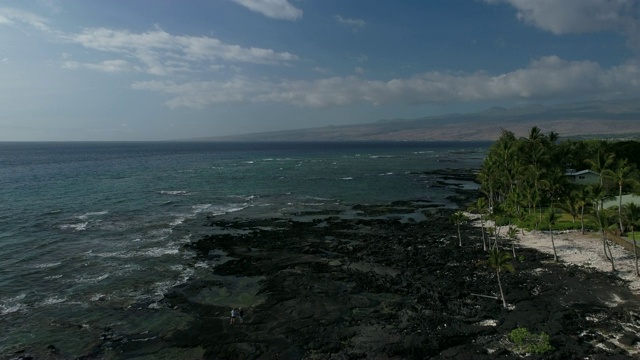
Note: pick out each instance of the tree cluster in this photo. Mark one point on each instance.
(524, 181)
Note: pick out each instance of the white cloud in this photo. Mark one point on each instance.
(109, 66)
(161, 53)
(10, 16)
(53, 6)
(354, 23)
(544, 78)
(359, 58)
(199, 94)
(275, 9)
(155, 52)
(322, 70)
(580, 16)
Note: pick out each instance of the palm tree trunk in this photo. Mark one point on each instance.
(613, 266)
(582, 219)
(459, 236)
(504, 302)
(604, 243)
(553, 244)
(620, 210)
(635, 249)
(484, 241)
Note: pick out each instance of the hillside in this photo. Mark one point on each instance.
(593, 118)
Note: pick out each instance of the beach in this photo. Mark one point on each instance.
(585, 250)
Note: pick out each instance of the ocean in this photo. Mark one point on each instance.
(90, 231)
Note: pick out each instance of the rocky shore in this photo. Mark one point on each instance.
(380, 288)
(382, 282)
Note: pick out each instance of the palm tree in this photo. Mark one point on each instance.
(582, 201)
(480, 206)
(601, 162)
(570, 204)
(498, 216)
(596, 193)
(551, 218)
(624, 173)
(458, 218)
(488, 179)
(512, 233)
(500, 260)
(632, 216)
(602, 218)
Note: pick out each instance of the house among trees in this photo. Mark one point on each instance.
(583, 177)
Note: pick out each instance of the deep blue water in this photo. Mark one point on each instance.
(89, 230)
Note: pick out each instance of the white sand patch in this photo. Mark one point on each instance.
(587, 251)
(583, 250)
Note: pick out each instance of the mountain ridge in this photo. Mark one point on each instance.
(587, 118)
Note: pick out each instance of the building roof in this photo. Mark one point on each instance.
(581, 172)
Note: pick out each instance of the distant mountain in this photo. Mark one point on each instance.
(591, 118)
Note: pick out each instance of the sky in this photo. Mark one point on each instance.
(138, 70)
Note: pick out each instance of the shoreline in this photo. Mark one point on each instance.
(377, 286)
(377, 281)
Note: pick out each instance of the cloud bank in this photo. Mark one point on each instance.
(171, 60)
(544, 78)
(160, 53)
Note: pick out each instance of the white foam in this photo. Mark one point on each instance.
(112, 254)
(177, 221)
(160, 234)
(8, 309)
(46, 265)
(94, 213)
(198, 208)
(157, 252)
(11, 305)
(52, 301)
(98, 297)
(88, 279)
(346, 178)
(174, 192)
(78, 227)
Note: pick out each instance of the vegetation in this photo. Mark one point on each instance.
(530, 343)
(458, 218)
(551, 218)
(632, 218)
(524, 182)
(500, 260)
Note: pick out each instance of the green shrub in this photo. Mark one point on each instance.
(527, 342)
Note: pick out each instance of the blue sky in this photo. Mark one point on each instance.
(168, 69)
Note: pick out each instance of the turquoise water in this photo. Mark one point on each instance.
(92, 234)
